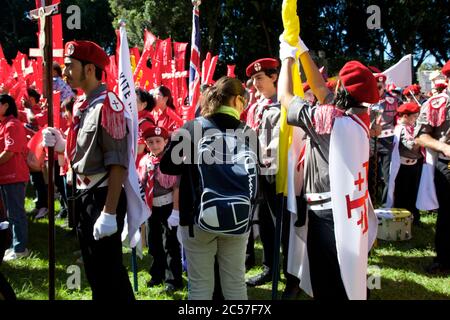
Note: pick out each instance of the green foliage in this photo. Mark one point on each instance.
(242, 31)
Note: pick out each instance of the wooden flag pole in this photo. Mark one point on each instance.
(44, 15)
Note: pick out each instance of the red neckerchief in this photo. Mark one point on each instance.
(78, 109)
(150, 178)
(265, 105)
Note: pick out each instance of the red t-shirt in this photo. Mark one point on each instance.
(12, 138)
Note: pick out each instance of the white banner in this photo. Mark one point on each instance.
(137, 210)
(400, 73)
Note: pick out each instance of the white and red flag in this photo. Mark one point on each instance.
(137, 209)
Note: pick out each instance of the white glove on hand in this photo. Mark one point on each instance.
(105, 225)
(288, 51)
(53, 138)
(174, 219)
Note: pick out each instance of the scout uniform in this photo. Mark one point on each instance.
(97, 139)
(264, 118)
(410, 167)
(384, 113)
(317, 121)
(434, 120)
(162, 240)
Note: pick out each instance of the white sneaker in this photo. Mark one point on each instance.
(16, 255)
(41, 213)
(8, 252)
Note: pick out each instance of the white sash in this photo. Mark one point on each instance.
(355, 223)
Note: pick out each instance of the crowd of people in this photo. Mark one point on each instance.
(395, 133)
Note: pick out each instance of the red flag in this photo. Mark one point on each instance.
(211, 69)
(57, 36)
(142, 64)
(230, 70)
(180, 62)
(2, 56)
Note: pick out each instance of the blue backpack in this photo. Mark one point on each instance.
(228, 172)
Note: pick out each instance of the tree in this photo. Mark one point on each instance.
(17, 32)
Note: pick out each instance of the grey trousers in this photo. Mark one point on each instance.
(200, 252)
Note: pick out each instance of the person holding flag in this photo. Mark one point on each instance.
(97, 148)
(337, 151)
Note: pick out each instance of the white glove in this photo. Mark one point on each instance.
(53, 138)
(288, 51)
(105, 225)
(174, 219)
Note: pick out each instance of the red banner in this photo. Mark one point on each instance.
(181, 74)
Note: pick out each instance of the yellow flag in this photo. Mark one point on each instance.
(291, 33)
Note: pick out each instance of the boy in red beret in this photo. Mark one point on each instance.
(433, 133)
(97, 148)
(406, 164)
(264, 117)
(161, 192)
(336, 160)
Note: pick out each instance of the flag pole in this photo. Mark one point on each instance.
(44, 14)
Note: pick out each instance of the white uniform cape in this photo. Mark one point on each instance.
(355, 222)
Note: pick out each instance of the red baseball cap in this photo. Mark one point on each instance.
(408, 108)
(261, 65)
(87, 51)
(153, 131)
(359, 82)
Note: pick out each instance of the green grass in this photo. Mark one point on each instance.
(401, 265)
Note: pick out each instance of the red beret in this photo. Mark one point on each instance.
(440, 85)
(261, 65)
(380, 77)
(359, 81)
(153, 131)
(414, 88)
(446, 69)
(87, 51)
(408, 108)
